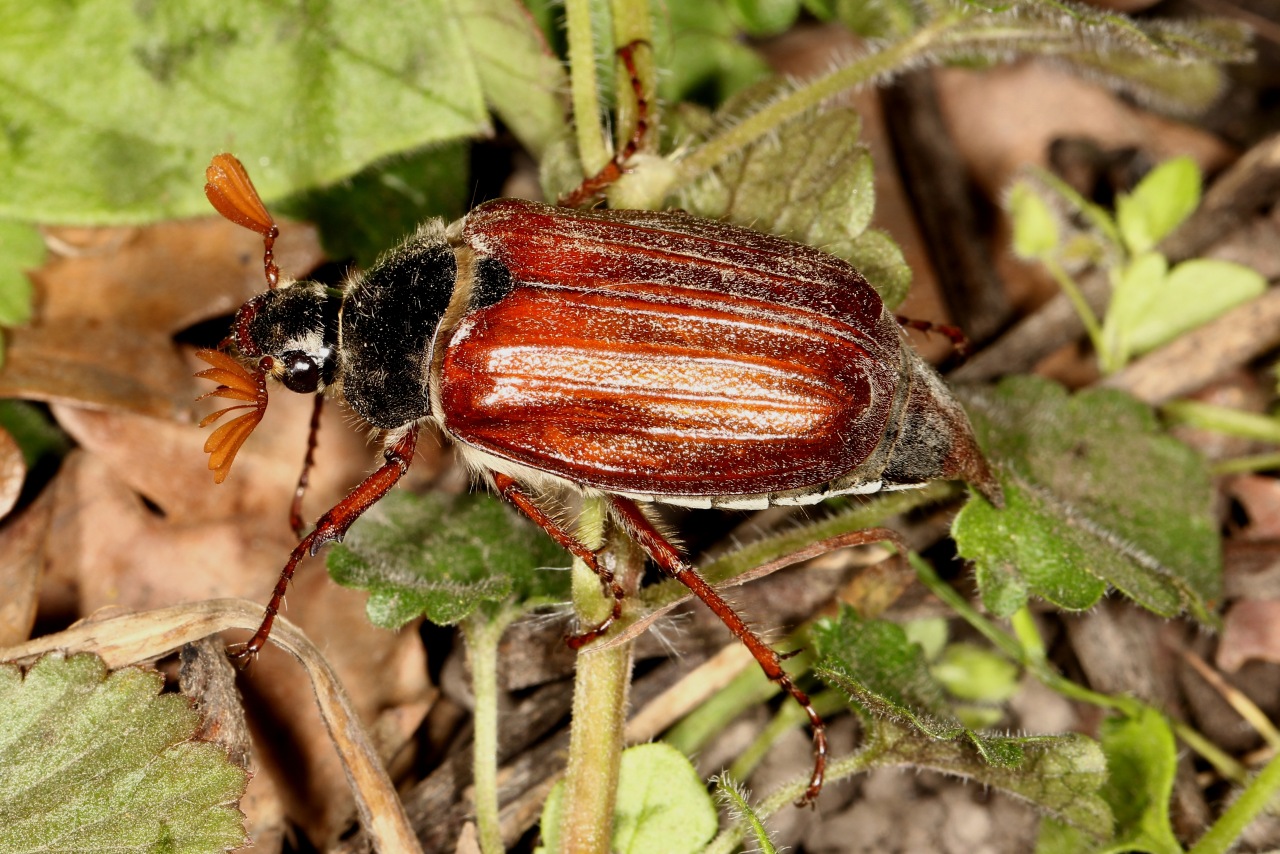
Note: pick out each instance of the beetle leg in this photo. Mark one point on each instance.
(599, 182)
(304, 477)
(952, 333)
(332, 527)
(509, 489)
(670, 561)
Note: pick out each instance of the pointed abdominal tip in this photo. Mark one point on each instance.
(235, 383)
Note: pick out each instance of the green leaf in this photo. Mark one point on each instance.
(882, 672)
(1141, 764)
(763, 18)
(374, 210)
(21, 250)
(98, 762)
(878, 19)
(1035, 228)
(1137, 288)
(702, 53)
(1142, 759)
(524, 82)
(443, 557)
(1159, 204)
(1095, 495)
(970, 672)
(1172, 65)
(1060, 774)
(811, 182)
(662, 805)
(113, 108)
(1190, 295)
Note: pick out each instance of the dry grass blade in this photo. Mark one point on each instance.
(235, 383)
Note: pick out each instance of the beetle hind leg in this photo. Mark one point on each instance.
(669, 560)
(509, 489)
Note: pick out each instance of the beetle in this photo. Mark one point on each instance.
(646, 357)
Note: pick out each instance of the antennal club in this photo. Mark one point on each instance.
(233, 195)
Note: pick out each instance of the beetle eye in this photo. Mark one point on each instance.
(301, 374)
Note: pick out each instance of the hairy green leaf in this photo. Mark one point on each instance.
(91, 761)
(873, 662)
(813, 183)
(1173, 65)
(1060, 774)
(443, 557)
(1096, 495)
(113, 108)
(1141, 764)
(885, 674)
(36, 434)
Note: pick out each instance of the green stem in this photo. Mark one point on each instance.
(1222, 419)
(1260, 792)
(1242, 465)
(482, 635)
(600, 687)
(593, 154)
(838, 769)
(1027, 648)
(1081, 305)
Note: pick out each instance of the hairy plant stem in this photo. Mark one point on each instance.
(600, 687)
(483, 632)
(593, 154)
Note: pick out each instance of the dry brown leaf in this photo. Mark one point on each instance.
(22, 539)
(108, 306)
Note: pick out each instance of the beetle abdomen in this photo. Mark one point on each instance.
(642, 392)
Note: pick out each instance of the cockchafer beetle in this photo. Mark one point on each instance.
(641, 356)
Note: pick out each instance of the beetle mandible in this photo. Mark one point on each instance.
(636, 355)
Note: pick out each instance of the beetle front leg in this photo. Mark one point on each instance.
(308, 462)
(509, 489)
(669, 560)
(332, 527)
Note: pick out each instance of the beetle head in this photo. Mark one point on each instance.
(292, 331)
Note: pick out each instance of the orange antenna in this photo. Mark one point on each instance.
(235, 382)
(233, 195)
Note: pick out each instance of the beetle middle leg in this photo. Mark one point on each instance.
(333, 525)
(596, 184)
(509, 489)
(954, 334)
